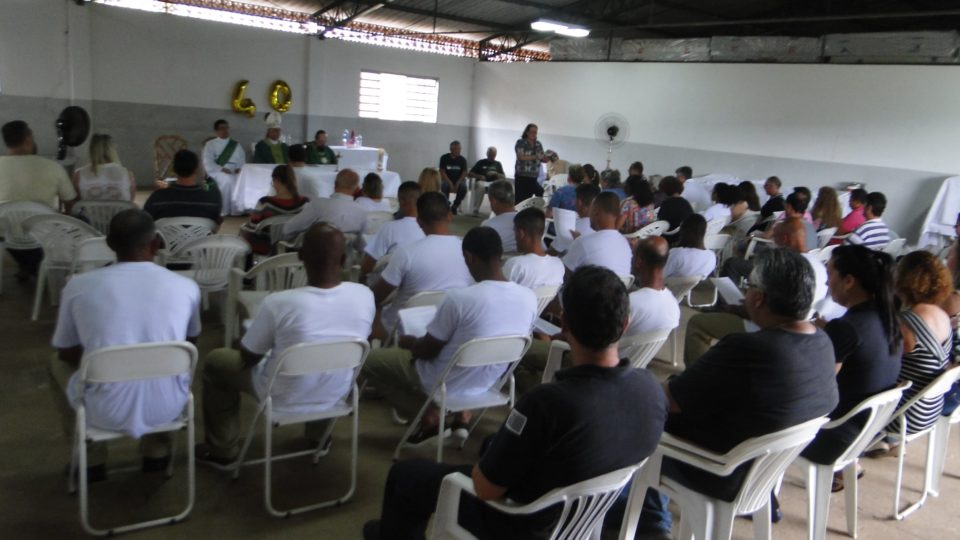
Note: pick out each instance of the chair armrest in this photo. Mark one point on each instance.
(903, 387)
(448, 501)
(554, 357)
(691, 454)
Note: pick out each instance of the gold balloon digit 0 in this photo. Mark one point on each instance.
(241, 104)
(280, 96)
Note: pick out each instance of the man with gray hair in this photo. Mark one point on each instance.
(339, 210)
(751, 384)
(501, 202)
(484, 172)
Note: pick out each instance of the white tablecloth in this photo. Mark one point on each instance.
(361, 157)
(938, 225)
(254, 182)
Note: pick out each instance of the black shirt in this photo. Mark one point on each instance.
(184, 201)
(591, 421)
(488, 168)
(454, 166)
(773, 204)
(675, 210)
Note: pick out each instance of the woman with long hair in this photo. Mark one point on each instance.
(104, 178)
(286, 201)
(429, 180)
(371, 198)
(689, 257)
(826, 211)
(529, 156)
(637, 209)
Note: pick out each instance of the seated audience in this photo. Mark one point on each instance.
(858, 200)
(326, 309)
(429, 180)
(453, 174)
(483, 172)
(694, 192)
(186, 197)
(796, 206)
(748, 201)
(339, 210)
(598, 416)
(689, 257)
(605, 246)
(310, 180)
(372, 199)
(396, 233)
(223, 158)
(585, 194)
(873, 232)
(652, 306)
(775, 198)
(104, 178)
(566, 196)
(591, 175)
(501, 202)
(636, 169)
(636, 211)
(610, 181)
(806, 195)
(724, 196)
(555, 165)
(131, 302)
(416, 267)
(922, 284)
(826, 210)
(766, 381)
(318, 153)
(674, 209)
(287, 201)
(270, 149)
(533, 267)
(492, 307)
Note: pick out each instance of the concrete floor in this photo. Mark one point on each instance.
(34, 452)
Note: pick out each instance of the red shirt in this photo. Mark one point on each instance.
(853, 220)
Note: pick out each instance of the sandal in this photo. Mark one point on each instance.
(425, 436)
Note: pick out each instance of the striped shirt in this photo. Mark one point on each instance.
(185, 201)
(873, 234)
(921, 366)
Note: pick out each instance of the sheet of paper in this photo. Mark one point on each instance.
(545, 327)
(728, 290)
(414, 321)
(564, 221)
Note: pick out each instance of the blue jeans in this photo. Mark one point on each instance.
(655, 517)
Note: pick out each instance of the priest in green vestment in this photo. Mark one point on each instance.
(270, 149)
(318, 153)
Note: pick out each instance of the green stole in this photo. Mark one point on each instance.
(227, 153)
(276, 150)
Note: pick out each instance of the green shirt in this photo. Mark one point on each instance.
(269, 153)
(320, 155)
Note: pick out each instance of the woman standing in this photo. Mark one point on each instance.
(286, 201)
(104, 179)
(529, 156)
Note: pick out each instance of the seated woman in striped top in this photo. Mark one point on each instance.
(286, 201)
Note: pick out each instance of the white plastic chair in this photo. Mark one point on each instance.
(12, 216)
(824, 236)
(59, 236)
(825, 253)
(719, 244)
(545, 295)
(536, 202)
(714, 226)
(878, 410)
(584, 505)
(212, 259)
(99, 213)
(752, 246)
(92, 253)
(479, 352)
(274, 227)
(682, 288)
(657, 228)
(376, 220)
(278, 273)
(132, 363)
(704, 517)
(937, 388)
(639, 349)
(627, 281)
(941, 442)
(895, 247)
(180, 231)
(308, 359)
(743, 225)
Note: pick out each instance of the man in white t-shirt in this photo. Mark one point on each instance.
(652, 306)
(605, 247)
(533, 268)
(397, 233)
(501, 202)
(492, 307)
(25, 176)
(131, 302)
(434, 263)
(694, 192)
(339, 210)
(585, 194)
(310, 179)
(327, 309)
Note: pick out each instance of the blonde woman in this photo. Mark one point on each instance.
(429, 180)
(104, 179)
(826, 211)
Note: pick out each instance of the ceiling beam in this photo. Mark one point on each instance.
(799, 20)
(444, 16)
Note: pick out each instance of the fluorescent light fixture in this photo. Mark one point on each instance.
(564, 29)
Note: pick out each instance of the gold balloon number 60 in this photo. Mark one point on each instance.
(280, 98)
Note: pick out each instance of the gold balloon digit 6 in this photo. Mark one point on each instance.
(280, 96)
(241, 104)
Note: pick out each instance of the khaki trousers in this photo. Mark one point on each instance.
(392, 372)
(705, 329)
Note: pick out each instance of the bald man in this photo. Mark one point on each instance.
(339, 210)
(326, 309)
(706, 328)
(653, 307)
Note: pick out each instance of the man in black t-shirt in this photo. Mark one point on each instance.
(599, 416)
(185, 198)
(453, 174)
(483, 172)
(775, 203)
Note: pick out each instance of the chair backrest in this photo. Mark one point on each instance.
(179, 231)
(12, 216)
(376, 220)
(545, 295)
(426, 298)
(136, 362)
(536, 202)
(714, 226)
(489, 351)
(895, 247)
(627, 281)
(640, 348)
(656, 228)
(313, 358)
(825, 253)
(99, 213)
(278, 273)
(393, 202)
(59, 236)
(681, 286)
(559, 180)
(92, 253)
(824, 236)
(938, 387)
(213, 257)
(879, 409)
(716, 242)
(274, 227)
(164, 147)
(745, 223)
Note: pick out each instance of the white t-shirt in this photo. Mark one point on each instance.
(652, 310)
(34, 178)
(607, 248)
(308, 315)
(312, 184)
(371, 205)
(503, 224)
(717, 211)
(532, 270)
(486, 309)
(434, 263)
(339, 211)
(392, 235)
(111, 183)
(697, 195)
(129, 304)
(684, 261)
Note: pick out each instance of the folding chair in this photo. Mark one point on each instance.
(476, 353)
(12, 235)
(302, 360)
(92, 253)
(59, 235)
(878, 410)
(422, 298)
(99, 213)
(639, 349)
(584, 505)
(545, 295)
(180, 231)
(123, 364)
(278, 273)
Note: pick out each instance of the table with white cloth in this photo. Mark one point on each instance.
(938, 226)
(254, 182)
(360, 157)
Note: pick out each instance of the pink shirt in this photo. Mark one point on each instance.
(853, 220)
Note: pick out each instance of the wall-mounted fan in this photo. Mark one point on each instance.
(611, 131)
(73, 126)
